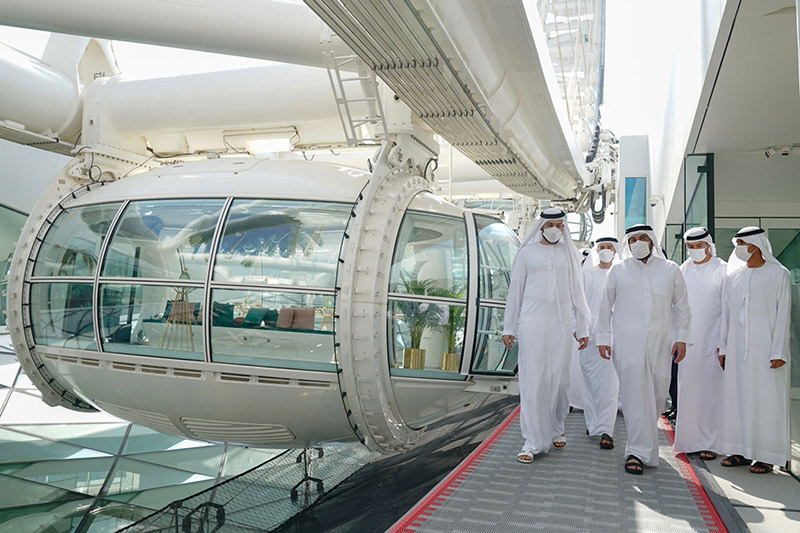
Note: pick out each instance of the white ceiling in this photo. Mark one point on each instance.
(756, 102)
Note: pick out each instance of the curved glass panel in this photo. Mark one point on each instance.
(72, 244)
(430, 256)
(286, 330)
(61, 314)
(491, 355)
(426, 340)
(152, 320)
(280, 242)
(497, 247)
(164, 239)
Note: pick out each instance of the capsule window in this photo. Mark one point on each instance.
(277, 242)
(497, 247)
(72, 245)
(163, 239)
(265, 328)
(152, 320)
(61, 315)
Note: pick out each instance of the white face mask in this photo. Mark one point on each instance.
(742, 253)
(640, 249)
(697, 254)
(553, 235)
(606, 256)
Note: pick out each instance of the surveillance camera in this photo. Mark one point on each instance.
(786, 150)
(769, 152)
(653, 202)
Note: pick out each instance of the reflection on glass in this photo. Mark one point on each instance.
(426, 339)
(78, 475)
(279, 242)
(165, 239)
(497, 247)
(159, 321)
(697, 169)
(62, 315)
(673, 242)
(261, 328)
(72, 244)
(430, 256)
(491, 355)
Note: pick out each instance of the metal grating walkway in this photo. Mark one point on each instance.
(579, 488)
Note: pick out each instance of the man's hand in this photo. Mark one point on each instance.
(679, 351)
(721, 361)
(605, 352)
(584, 342)
(508, 340)
(776, 363)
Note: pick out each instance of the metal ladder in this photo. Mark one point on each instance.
(354, 123)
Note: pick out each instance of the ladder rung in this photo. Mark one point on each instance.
(358, 78)
(366, 99)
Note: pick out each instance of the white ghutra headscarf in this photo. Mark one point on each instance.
(757, 237)
(699, 234)
(639, 229)
(594, 258)
(573, 258)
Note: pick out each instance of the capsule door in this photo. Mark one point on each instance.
(491, 366)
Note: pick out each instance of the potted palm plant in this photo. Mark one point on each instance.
(454, 326)
(419, 316)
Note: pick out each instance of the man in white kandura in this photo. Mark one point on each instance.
(576, 385)
(601, 385)
(646, 312)
(754, 351)
(545, 296)
(699, 375)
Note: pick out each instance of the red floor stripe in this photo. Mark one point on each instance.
(415, 517)
(704, 505)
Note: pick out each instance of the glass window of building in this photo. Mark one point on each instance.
(163, 239)
(280, 242)
(71, 246)
(152, 320)
(430, 256)
(262, 328)
(497, 247)
(61, 315)
(426, 333)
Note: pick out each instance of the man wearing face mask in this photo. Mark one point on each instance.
(601, 385)
(645, 310)
(544, 299)
(699, 375)
(754, 351)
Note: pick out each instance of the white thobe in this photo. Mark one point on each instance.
(576, 385)
(600, 381)
(539, 312)
(756, 309)
(699, 374)
(645, 311)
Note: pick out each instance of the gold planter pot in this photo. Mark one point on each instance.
(414, 358)
(451, 362)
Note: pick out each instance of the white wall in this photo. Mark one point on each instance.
(695, 29)
(750, 185)
(24, 173)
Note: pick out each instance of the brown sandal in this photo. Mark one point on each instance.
(706, 455)
(606, 441)
(734, 460)
(761, 468)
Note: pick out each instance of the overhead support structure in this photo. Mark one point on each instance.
(480, 76)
